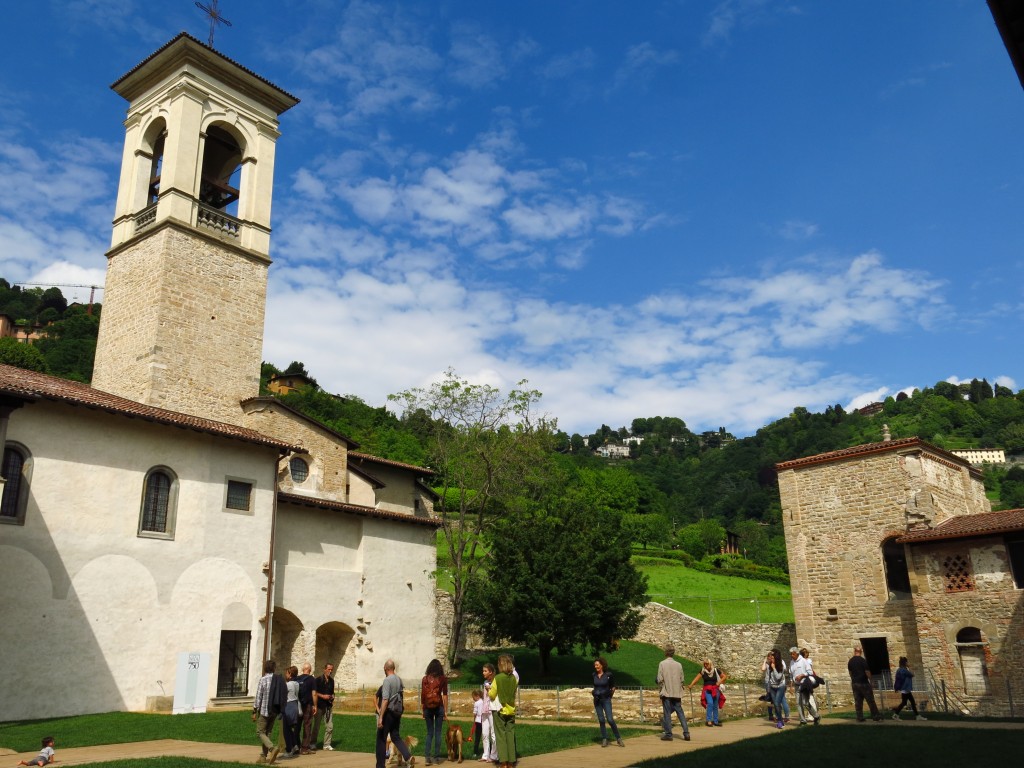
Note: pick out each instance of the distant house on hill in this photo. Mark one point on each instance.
(286, 383)
(871, 409)
(613, 451)
(982, 455)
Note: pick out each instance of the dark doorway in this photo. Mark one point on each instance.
(876, 651)
(233, 665)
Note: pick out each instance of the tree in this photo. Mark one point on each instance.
(484, 447)
(701, 538)
(20, 355)
(648, 529)
(560, 575)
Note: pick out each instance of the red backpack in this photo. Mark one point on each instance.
(431, 691)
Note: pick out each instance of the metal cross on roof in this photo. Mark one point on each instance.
(215, 17)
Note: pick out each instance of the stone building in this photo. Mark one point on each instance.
(893, 546)
(168, 513)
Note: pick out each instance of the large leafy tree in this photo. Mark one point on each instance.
(485, 446)
(21, 355)
(559, 573)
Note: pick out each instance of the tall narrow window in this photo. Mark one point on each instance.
(897, 579)
(15, 473)
(158, 504)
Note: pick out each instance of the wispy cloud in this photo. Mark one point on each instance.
(640, 64)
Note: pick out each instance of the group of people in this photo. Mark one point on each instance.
(302, 702)
(494, 714)
(800, 674)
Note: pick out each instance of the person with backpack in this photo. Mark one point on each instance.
(775, 680)
(389, 716)
(434, 704)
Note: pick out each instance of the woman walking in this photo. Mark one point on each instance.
(292, 712)
(711, 679)
(434, 704)
(604, 687)
(904, 685)
(503, 690)
(775, 679)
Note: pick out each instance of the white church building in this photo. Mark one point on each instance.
(168, 511)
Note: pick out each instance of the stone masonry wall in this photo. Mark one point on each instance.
(737, 649)
(182, 323)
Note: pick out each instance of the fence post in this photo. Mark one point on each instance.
(641, 704)
(743, 690)
(757, 607)
(558, 702)
(711, 609)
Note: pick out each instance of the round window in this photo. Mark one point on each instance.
(299, 469)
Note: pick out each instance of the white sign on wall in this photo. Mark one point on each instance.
(191, 683)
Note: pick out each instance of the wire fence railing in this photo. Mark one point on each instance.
(731, 610)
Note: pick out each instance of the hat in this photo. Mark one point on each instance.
(794, 649)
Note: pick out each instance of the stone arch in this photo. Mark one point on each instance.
(152, 145)
(334, 645)
(286, 646)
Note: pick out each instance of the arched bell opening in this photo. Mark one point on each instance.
(221, 171)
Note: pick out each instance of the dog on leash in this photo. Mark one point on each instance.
(453, 739)
(396, 756)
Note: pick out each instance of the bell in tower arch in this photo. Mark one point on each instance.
(222, 162)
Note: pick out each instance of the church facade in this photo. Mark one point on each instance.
(893, 546)
(168, 509)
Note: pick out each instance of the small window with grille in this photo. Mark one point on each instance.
(956, 570)
(239, 495)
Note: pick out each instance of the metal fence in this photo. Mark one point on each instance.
(735, 610)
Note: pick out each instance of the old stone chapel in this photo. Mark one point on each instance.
(169, 509)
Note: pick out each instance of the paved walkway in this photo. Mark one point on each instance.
(637, 748)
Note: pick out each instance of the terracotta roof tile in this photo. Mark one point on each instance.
(867, 449)
(356, 509)
(388, 462)
(966, 526)
(195, 41)
(31, 386)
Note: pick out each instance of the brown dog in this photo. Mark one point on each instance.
(453, 739)
(396, 756)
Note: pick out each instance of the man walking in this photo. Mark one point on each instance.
(799, 673)
(860, 681)
(389, 716)
(670, 688)
(323, 696)
(271, 695)
(307, 700)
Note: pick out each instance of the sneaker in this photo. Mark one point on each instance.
(686, 737)
(619, 742)
(429, 761)
(273, 755)
(895, 716)
(920, 717)
(779, 725)
(328, 747)
(604, 742)
(667, 737)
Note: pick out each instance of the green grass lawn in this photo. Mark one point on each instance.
(352, 733)
(634, 664)
(861, 744)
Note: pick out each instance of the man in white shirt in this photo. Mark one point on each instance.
(800, 668)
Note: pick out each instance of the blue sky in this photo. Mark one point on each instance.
(713, 210)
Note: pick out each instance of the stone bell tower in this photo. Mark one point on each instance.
(183, 310)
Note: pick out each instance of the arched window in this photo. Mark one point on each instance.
(17, 464)
(159, 497)
(897, 578)
(299, 469)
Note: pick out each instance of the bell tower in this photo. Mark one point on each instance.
(183, 310)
